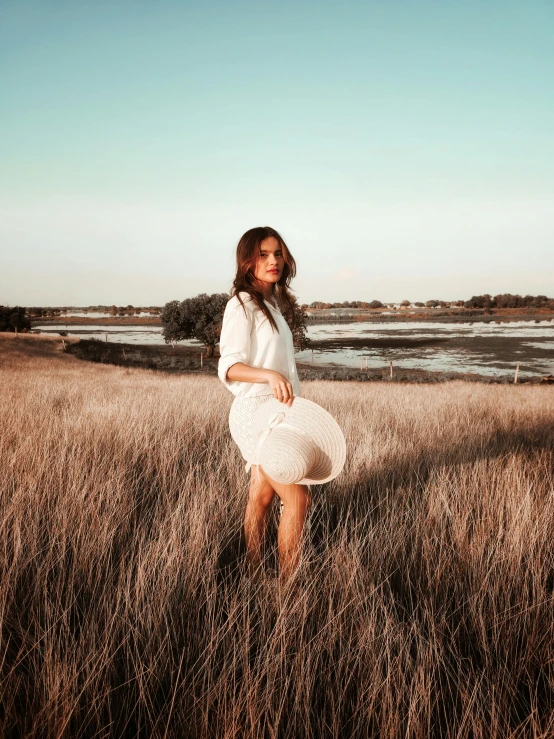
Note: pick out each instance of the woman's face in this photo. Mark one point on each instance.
(271, 261)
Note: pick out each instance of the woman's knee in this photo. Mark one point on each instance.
(260, 492)
(298, 498)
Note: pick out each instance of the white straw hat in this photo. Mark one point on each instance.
(300, 445)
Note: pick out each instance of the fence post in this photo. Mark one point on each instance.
(390, 366)
(201, 361)
(517, 372)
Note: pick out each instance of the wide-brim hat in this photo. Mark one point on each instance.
(301, 445)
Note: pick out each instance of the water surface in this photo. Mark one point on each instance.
(487, 348)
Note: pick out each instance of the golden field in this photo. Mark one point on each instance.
(424, 605)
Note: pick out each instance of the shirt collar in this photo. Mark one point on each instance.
(277, 309)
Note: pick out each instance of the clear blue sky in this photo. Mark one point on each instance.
(404, 149)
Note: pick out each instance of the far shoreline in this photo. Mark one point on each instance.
(463, 315)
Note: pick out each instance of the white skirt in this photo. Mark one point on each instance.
(240, 425)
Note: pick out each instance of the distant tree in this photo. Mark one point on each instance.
(14, 319)
(432, 303)
(376, 304)
(507, 300)
(419, 305)
(201, 318)
(197, 318)
(480, 301)
(405, 303)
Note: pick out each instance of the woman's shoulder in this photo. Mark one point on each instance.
(246, 299)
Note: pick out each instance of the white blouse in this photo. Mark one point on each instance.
(252, 340)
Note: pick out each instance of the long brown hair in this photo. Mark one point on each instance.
(248, 252)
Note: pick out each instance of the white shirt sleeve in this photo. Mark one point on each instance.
(234, 342)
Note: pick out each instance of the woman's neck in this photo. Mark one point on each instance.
(269, 294)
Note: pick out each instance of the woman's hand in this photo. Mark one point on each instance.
(280, 387)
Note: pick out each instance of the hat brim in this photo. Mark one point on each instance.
(311, 418)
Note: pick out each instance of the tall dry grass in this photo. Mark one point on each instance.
(423, 607)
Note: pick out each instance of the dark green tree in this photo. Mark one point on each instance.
(201, 318)
(197, 318)
(14, 319)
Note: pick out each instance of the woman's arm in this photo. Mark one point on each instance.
(234, 348)
(280, 386)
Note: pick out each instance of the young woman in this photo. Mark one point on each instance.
(257, 363)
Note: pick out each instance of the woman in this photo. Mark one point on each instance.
(257, 364)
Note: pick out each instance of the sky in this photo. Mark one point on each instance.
(404, 149)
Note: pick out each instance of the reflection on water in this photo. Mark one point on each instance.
(427, 329)
(121, 334)
(103, 314)
(488, 348)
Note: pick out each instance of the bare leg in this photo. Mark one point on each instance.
(296, 501)
(260, 497)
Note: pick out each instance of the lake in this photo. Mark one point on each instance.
(491, 348)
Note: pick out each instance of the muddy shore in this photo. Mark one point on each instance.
(183, 359)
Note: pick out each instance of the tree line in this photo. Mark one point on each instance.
(375, 304)
(505, 300)
(201, 317)
(114, 310)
